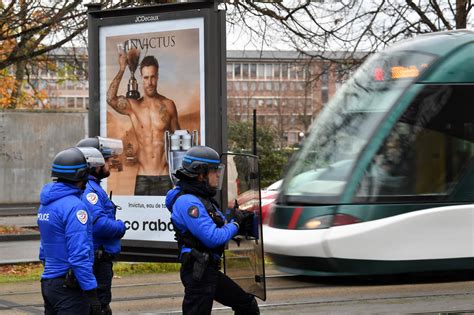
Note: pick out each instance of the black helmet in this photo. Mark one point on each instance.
(199, 160)
(73, 164)
(109, 147)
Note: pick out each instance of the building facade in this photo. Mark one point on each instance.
(62, 77)
(286, 88)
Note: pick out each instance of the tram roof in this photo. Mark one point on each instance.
(439, 43)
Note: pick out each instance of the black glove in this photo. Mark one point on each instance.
(93, 300)
(244, 219)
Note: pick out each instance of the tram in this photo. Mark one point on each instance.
(384, 183)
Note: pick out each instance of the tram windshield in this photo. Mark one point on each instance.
(343, 128)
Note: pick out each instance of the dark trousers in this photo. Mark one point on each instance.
(58, 299)
(103, 271)
(152, 185)
(214, 285)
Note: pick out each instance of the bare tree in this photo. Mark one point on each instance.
(316, 26)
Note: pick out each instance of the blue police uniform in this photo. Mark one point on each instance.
(107, 232)
(189, 214)
(66, 243)
(199, 216)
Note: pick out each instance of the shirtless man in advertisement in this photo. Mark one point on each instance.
(151, 115)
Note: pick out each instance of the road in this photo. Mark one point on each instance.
(286, 294)
(162, 294)
(21, 251)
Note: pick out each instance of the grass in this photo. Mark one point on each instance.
(5, 229)
(33, 271)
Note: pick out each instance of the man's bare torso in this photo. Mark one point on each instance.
(151, 117)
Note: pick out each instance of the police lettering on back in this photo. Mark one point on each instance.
(43, 216)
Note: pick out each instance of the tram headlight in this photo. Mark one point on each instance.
(326, 221)
(322, 222)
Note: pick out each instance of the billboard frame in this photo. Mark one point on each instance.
(215, 95)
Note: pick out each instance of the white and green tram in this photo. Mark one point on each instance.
(384, 183)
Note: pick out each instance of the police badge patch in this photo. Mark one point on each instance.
(92, 198)
(82, 216)
(193, 211)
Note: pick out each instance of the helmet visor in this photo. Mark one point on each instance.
(93, 157)
(220, 175)
(110, 147)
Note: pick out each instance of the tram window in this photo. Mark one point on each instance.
(427, 152)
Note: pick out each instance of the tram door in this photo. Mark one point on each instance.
(244, 259)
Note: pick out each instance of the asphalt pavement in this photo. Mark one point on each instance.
(22, 247)
(19, 252)
(19, 221)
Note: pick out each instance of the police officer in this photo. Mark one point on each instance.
(68, 284)
(202, 232)
(107, 231)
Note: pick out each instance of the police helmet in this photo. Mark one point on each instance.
(199, 160)
(73, 164)
(109, 147)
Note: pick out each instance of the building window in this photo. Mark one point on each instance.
(325, 75)
(53, 102)
(245, 71)
(284, 71)
(276, 71)
(253, 86)
(61, 102)
(268, 86)
(230, 67)
(79, 102)
(293, 72)
(237, 69)
(268, 70)
(253, 71)
(260, 71)
(269, 103)
(70, 102)
(253, 103)
(299, 72)
(69, 85)
(237, 86)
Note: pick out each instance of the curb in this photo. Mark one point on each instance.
(19, 237)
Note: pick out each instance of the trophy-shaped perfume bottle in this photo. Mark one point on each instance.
(133, 57)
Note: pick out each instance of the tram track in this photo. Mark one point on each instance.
(166, 284)
(267, 306)
(292, 288)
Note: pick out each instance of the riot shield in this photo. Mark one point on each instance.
(244, 256)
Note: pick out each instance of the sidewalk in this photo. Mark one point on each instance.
(20, 222)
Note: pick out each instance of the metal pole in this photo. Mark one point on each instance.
(254, 151)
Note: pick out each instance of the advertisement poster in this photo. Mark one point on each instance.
(151, 89)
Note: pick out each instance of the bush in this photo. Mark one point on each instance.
(272, 159)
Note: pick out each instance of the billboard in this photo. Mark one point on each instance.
(156, 75)
(153, 83)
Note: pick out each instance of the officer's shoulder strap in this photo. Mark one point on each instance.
(92, 187)
(206, 203)
(170, 209)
